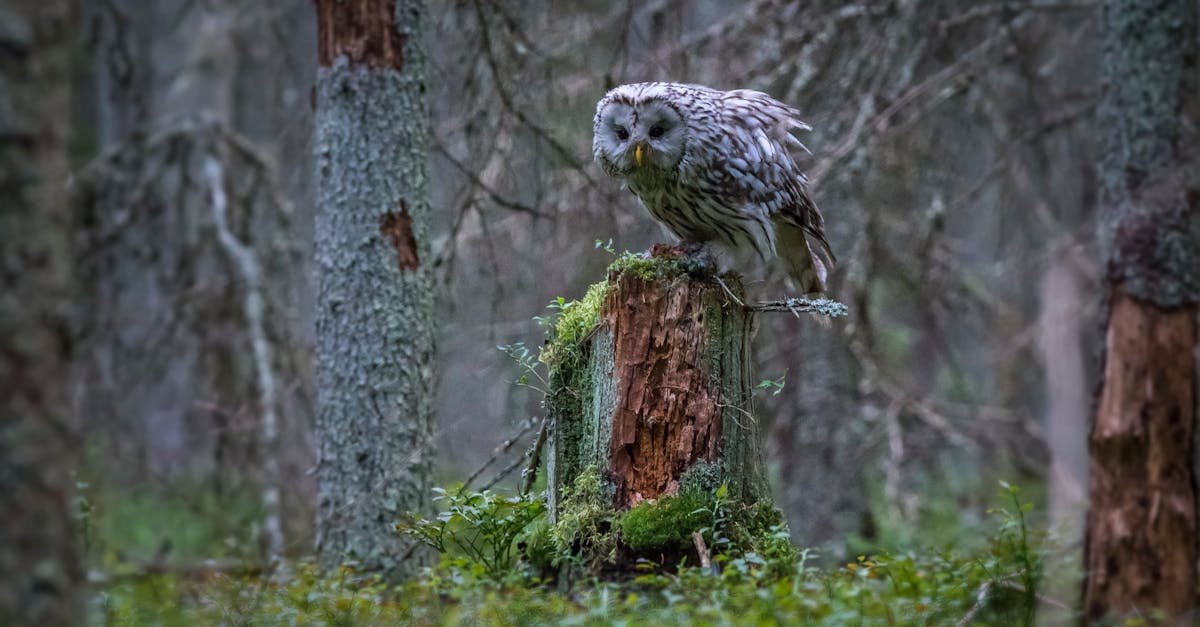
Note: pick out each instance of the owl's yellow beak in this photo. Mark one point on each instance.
(639, 149)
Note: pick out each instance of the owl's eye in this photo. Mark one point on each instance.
(622, 134)
(656, 132)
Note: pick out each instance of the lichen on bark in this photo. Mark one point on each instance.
(1147, 163)
(375, 320)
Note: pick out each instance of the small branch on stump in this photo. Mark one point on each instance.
(797, 306)
(981, 598)
(529, 475)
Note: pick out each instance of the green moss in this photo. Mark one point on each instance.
(761, 529)
(668, 522)
(567, 355)
(648, 268)
(916, 586)
(584, 529)
(666, 265)
(576, 319)
(703, 476)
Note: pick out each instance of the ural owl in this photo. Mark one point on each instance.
(715, 166)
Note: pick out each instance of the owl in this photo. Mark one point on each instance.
(716, 166)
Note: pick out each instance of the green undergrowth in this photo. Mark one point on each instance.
(170, 521)
(771, 584)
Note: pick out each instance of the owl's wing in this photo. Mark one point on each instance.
(759, 130)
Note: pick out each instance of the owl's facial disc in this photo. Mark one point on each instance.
(613, 142)
(658, 136)
(639, 136)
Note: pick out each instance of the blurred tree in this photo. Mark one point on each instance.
(171, 379)
(1141, 538)
(41, 580)
(375, 304)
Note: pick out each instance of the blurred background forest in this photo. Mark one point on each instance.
(952, 155)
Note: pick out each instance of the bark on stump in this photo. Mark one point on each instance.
(656, 395)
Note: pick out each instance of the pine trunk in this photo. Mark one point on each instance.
(1141, 541)
(41, 579)
(1142, 521)
(663, 395)
(375, 302)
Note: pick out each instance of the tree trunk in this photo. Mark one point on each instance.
(375, 302)
(41, 580)
(659, 393)
(1065, 388)
(1141, 539)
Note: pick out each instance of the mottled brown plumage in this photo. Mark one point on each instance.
(716, 166)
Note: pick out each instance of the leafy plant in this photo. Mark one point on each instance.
(480, 529)
(530, 368)
(1014, 541)
(774, 385)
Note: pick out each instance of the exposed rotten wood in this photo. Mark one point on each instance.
(1143, 498)
(668, 413)
(364, 31)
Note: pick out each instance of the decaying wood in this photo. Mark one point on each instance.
(668, 415)
(668, 389)
(1141, 545)
(363, 31)
(1143, 498)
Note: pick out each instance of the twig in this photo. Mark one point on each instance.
(980, 599)
(503, 473)
(1012, 585)
(494, 195)
(496, 453)
(982, 11)
(529, 475)
(729, 292)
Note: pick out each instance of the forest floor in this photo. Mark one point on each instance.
(995, 576)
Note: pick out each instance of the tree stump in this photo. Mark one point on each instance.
(651, 387)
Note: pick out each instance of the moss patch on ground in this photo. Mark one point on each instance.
(667, 523)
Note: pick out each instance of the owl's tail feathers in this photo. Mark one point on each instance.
(807, 265)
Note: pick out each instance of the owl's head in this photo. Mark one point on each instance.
(638, 127)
